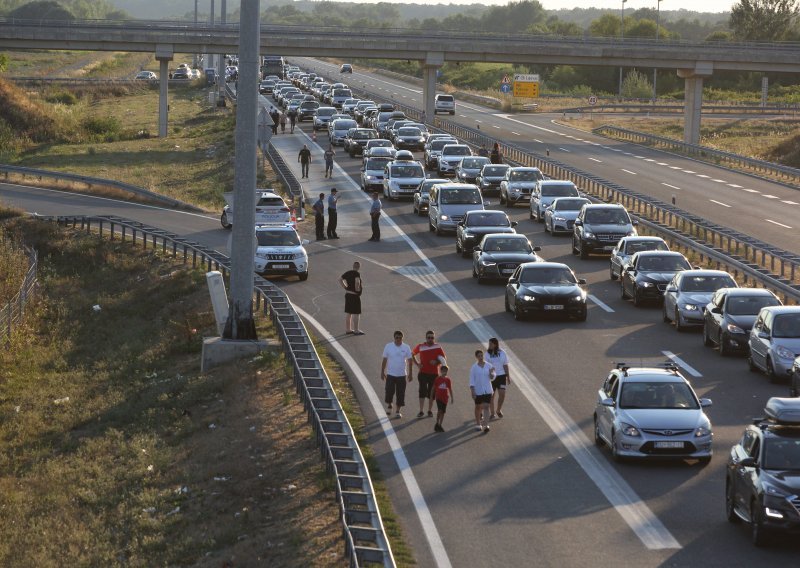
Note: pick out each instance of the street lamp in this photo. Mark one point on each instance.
(622, 37)
(655, 69)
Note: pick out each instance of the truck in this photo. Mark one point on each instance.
(273, 65)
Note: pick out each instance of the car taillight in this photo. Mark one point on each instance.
(285, 210)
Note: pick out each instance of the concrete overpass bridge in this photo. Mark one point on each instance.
(693, 61)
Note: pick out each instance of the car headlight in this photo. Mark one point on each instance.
(734, 328)
(702, 431)
(690, 307)
(488, 263)
(578, 298)
(261, 255)
(588, 234)
(529, 298)
(646, 284)
(468, 235)
(298, 255)
(444, 217)
(629, 430)
(773, 491)
(559, 218)
(784, 353)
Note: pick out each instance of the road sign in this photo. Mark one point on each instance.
(526, 89)
(505, 88)
(592, 100)
(526, 78)
(506, 80)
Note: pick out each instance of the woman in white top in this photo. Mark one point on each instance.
(480, 386)
(497, 357)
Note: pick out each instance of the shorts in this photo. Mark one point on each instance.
(441, 405)
(352, 304)
(425, 384)
(499, 382)
(483, 399)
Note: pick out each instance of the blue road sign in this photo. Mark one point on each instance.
(505, 88)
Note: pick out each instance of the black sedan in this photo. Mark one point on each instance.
(648, 273)
(498, 255)
(478, 223)
(490, 177)
(730, 316)
(542, 288)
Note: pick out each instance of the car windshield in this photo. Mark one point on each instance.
(559, 190)
(495, 171)
(342, 93)
(547, 275)
(525, 175)
(474, 163)
(409, 131)
(570, 204)
(507, 245)
(607, 217)
(437, 145)
(657, 395)
(787, 325)
(364, 134)
(637, 246)
(782, 454)
(345, 124)
(274, 201)
(379, 143)
(487, 219)
(457, 151)
(749, 305)
(461, 196)
(706, 283)
(408, 171)
(377, 163)
(326, 112)
(384, 116)
(309, 105)
(663, 263)
(268, 238)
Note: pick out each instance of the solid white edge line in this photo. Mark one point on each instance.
(689, 369)
(600, 303)
(420, 505)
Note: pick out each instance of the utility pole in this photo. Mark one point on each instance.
(622, 38)
(194, 61)
(655, 69)
(223, 18)
(240, 323)
(211, 55)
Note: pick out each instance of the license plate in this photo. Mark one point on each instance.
(281, 266)
(609, 248)
(507, 270)
(554, 307)
(669, 444)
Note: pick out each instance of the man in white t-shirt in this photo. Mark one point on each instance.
(480, 385)
(396, 371)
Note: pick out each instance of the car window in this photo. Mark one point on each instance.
(613, 216)
(570, 204)
(781, 453)
(408, 171)
(487, 219)
(457, 151)
(706, 283)
(748, 440)
(473, 162)
(267, 238)
(270, 201)
(409, 131)
(548, 275)
(755, 449)
(663, 263)
(525, 175)
(437, 145)
(444, 98)
(786, 325)
(462, 196)
(748, 305)
(659, 394)
(612, 385)
(494, 170)
(376, 163)
(559, 190)
(507, 245)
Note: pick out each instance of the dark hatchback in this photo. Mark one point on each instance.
(478, 223)
(730, 316)
(545, 288)
(762, 481)
(306, 110)
(490, 177)
(649, 272)
(497, 256)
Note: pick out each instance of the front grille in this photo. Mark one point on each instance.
(667, 432)
(407, 185)
(650, 448)
(457, 218)
(609, 237)
(280, 257)
(661, 287)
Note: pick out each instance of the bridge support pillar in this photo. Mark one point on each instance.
(164, 56)
(693, 100)
(430, 65)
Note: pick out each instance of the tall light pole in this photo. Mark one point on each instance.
(194, 60)
(655, 69)
(622, 37)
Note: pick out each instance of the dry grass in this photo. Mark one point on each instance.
(115, 450)
(14, 264)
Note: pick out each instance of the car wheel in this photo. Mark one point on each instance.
(770, 371)
(664, 316)
(517, 313)
(723, 350)
(474, 272)
(582, 316)
(508, 307)
(430, 225)
(637, 301)
(623, 292)
(757, 531)
(598, 441)
(503, 200)
(730, 504)
(611, 274)
(706, 339)
(574, 248)
(680, 328)
(459, 250)
(303, 276)
(224, 221)
(438, 231)
(751, 365)
(614, 451)
(584, 255)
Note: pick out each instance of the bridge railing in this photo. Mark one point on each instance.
(762, 168)
(14, 311)
(365, 537)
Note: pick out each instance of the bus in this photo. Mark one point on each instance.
(273, 65)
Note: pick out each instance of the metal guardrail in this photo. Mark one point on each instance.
(13, 312)
(39, 175)
(365, 537)
(776, 172)
(641, 106)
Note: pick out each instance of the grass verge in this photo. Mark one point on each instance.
(114, 450)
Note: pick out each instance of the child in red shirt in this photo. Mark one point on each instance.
(442, 392)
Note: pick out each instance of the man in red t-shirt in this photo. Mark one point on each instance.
(427, 356)
(442, 391)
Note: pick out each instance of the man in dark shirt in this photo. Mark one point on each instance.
(351, 282)
(319, 217)
(304, 157)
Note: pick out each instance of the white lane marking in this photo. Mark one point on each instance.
(495, 126)
(616, 150)
(787, 202)
(564, 149)
(596, 160)
(719, 203)
(662, 164)
(570, 136)
(627, 153)
(649, 160)
(680, 362)
(600, 303)
(537, 140)
(750, 190)
(734, 185)
(703, 176)
(675, 167)
(629, 172)
(689, 172)
(462, 116)
(633, 510)
(420, 505)
(670, 186)
(768, 196)
(639, 157)
(404, 96)
(719, 180)
(515, 133)
(776, 223)
(477, 121)
(395, 93)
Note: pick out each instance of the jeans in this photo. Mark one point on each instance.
(304, 169)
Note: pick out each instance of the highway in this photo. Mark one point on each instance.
(765, 210)
(534, 490)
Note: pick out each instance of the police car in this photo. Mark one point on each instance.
(270, 209)
(280, 251)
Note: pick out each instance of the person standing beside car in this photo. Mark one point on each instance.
(332, 216)
(330, 153)
(375, 215)
(319, 217)
(292, 120)
(283, 122)
(496, 157)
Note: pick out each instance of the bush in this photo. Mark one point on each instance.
(636, 86)
(63, 97)
(108, 127)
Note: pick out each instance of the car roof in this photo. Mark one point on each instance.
(642, 239)
(652, 375)
(541, 265)
(704, 272)
(658, 253)
(747, 292)
(484, 212)
(782, 309)
(607, 206)
(555, 182)
(453, 185)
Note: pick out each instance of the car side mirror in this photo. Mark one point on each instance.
(512, 280)
(716, 310)
(630, 269)
(610, 402)
(476, 248)
(670, 289)
(578, 223)
(487, 202)
(514, 223)
(705, 402)
(537, 249)
(635, 223)
(304, 242)
(581, 281)
(748, 462)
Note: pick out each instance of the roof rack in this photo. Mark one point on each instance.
(783, 411)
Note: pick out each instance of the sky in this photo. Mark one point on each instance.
(705, 6)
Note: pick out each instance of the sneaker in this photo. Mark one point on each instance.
(441, 428)
(358, 332)
(421, 414)
(486, 428)
(398, 415)
(499, 414)
(478, 427)
(438, 428)
(389, 410)
(430, 414)
(493, 417)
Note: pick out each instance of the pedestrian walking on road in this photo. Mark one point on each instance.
(275, 120)
(480, 386)
(375, 215)
(351, 282)
(483, 151)
(319, 217)
(496, 156)
(428, 357)
(292, 120)
(395, 371)
(283, 122)
(330, 153)
(423, 118)
(304, 157)
(499, 360)
(442, 391)
(332, 216)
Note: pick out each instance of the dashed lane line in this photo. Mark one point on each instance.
(564, 149)
(596, 160)
(515, 133)
(680, 362)
(720, 203)
(601, 304)
(704, 176)
(629, 172)
(719, 180)
(787, 202)
(776, 223)
(750, 190)
(734, 185)
(495, 126)
(670, 186)
(768, 196)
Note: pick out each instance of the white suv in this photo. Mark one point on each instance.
(280, 251)
(270, 209)
(444, 103)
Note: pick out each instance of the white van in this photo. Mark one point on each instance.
(448, 204)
